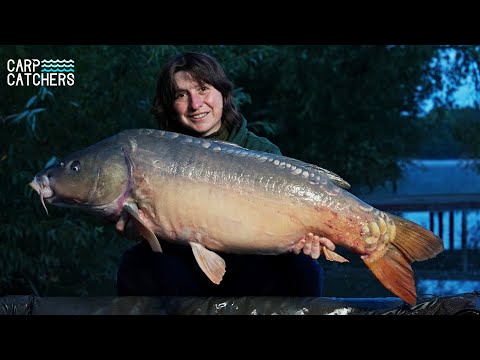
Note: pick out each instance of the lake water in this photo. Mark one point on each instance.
(447, 287)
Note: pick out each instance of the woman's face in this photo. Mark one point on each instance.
(198, 107)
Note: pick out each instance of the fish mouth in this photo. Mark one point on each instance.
(42, 187)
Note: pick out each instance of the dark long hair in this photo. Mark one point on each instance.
(204, 69)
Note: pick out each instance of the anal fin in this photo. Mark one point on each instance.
(333, 256)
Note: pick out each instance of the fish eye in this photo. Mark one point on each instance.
(75, 166)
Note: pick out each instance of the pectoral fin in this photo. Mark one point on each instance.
(144, 230)
(332, 255)
(211, 264)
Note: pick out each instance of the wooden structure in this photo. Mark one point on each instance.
(436, 187)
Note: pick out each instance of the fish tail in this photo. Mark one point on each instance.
(392, 266)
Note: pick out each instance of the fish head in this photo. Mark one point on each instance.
(91, 179)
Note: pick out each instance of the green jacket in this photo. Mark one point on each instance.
(245, 138)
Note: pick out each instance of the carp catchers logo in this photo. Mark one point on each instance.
(27, 72)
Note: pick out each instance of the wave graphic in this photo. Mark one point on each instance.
(58, 66)
(58, 70)
(57, 61)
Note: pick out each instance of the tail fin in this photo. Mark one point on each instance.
(411, 243)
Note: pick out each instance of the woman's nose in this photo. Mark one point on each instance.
(196, 101)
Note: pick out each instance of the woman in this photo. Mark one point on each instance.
(195, 97)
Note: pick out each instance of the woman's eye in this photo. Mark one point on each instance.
(75, 166)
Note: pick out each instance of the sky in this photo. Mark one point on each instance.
(465, 95)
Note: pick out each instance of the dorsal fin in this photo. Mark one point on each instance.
(337, 179)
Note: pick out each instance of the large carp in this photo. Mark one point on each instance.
(219, 197)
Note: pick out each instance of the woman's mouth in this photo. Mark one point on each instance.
(198, 116)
